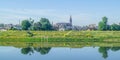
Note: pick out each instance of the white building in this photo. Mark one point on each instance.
(64, 26)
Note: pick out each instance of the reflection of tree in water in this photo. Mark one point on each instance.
(27, 50)
(115, 48)
(43, 51)
(104, 50)
(30, 50)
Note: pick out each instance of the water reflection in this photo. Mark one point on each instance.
(27, 50)
(104, 50)
(31, 50)
(45, 50)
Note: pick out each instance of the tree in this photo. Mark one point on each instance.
(45, 24)
(115, 27)
(105, 20)
(1, 25)
(36, 26)
(26, 24)
(103, 24)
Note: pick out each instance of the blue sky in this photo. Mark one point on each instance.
(84, 12)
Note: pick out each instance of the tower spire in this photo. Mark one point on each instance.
(70, 19)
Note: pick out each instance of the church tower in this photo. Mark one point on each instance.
(71, 20)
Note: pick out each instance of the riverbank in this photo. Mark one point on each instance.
(60, 36)
(59, 44)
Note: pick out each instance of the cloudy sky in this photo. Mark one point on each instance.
(84, 12)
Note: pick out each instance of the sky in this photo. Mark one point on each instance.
(83, 12)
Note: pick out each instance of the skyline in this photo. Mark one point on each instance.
(84, 12)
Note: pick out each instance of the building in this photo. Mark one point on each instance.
(8, 26)
(77, 28)
(17, 27)
(3, 29)
(64, 26)
(92, 27)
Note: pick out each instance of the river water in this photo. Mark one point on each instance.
(59, 53)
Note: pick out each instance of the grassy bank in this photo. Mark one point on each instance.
(60, 36)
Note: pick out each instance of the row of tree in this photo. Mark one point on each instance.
(43, 24)
(103, 25)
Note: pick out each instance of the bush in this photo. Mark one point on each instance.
(29, 34)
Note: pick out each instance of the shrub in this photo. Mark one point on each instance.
(29, 34)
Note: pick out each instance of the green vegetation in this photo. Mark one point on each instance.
(60, 36)
(43, 24)
(115, 27)
(26, 24)
(103, 26)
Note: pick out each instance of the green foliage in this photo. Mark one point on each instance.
(103, 24)
(105, 20)
(1, 25)
(29, 34)
(115, 27)
(36, 26)
(26, 24)
(45, 24)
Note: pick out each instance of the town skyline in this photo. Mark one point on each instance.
(83, 12)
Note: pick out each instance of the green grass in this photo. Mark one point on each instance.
(60, 44)
(60, 36)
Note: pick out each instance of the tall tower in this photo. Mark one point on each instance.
(71, 20)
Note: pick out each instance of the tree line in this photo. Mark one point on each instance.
(43, 24)
(104, 26)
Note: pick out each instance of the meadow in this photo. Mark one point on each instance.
(59, 36)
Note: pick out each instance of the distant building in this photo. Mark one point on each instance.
(85, 28)
(92, 27)
(78, 28)
(8, 26)
(17, 27)
(64, 26)
(3, 29)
